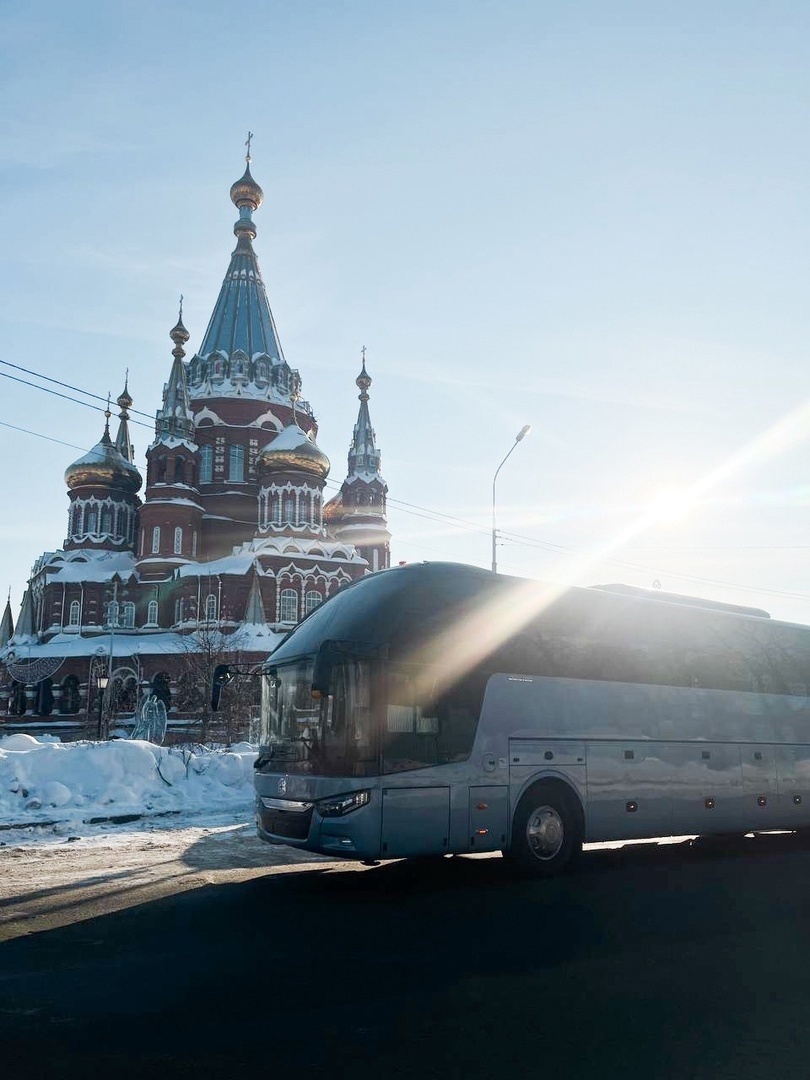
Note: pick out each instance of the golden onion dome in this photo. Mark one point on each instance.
(124, 401)
(178, 333)
(334, 510)
(246, 192)
(103, 466)
(292, 450)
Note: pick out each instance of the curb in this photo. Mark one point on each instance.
(112, 819)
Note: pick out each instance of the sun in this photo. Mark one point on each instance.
(672, 505)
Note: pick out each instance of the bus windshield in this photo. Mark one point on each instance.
(334, 735)
(376, 719)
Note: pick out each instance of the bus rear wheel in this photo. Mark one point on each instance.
(546, 831)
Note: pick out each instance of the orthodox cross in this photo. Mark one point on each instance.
(247, 144)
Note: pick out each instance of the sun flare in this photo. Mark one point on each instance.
(672, 505)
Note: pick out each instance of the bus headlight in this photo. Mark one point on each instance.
(339, 805)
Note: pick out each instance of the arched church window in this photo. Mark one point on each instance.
(44, 705)
(276, 508)
(156, 540)
(236, 463)
(161, 688)
(124, 693)
(180, 470)
(111, 613)
(289, 509)
(311, 600)
(128, 615)
(160, 471)
(194, 544)
(106, 520)
(178, 541)
(75, 610)
(210, 608)
(179, 610)
(17, 704)
(92, 520)
(152, 613)
(70, 700)
(206, 464)
(288, 606)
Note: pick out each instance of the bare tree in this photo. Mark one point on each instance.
(202, 651)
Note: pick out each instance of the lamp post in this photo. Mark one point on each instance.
(102, 681)
(524, 431)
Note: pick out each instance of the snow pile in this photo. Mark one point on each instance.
(45, 781)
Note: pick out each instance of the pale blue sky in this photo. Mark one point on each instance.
(589, 217)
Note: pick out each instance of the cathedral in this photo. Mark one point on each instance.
(223, 545)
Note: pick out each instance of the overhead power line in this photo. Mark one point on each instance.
(411, 509)
(58, 382)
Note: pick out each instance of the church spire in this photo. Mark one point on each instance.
(6, 624)
(242, 320)
(175, 419)
(364, 457)
(123, 444)
(358, 512)
(254, 609)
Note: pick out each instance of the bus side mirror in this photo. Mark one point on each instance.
(222, 676)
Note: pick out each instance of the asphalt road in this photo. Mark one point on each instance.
(673, 961)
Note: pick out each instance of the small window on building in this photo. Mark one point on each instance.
(128, 615)
(73, 618)
(152, 613)
(178, 541)
(92, 521)
(311, 601)
(206, 464)
(288, 606)
(194, 544)
(179, 610)
(211, 608)
(236, 463)
(156, 540)
(106, 520)
(111, 614)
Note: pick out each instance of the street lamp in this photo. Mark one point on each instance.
(524, 431)
(102, 681)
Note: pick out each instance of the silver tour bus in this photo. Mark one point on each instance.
(438, 708)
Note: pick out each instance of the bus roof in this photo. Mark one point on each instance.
(417, 603)
(681, 598)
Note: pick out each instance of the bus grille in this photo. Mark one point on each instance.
(290, 825)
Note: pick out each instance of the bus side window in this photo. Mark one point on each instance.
(456, 734)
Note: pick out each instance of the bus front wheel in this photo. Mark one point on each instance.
(546, 832)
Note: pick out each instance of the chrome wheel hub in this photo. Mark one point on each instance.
(545, 832)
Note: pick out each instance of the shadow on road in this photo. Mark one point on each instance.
(656, 962)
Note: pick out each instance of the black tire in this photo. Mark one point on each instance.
(547, 831)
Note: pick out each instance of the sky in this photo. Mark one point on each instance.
(588, 217)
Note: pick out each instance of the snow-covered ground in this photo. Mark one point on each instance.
(50, 791)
